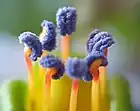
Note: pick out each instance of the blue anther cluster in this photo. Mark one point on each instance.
(99, 41)
(66, 18)
(88, 77)
(90, 58)
(31, 41)
(90, 42)
(51, 61)
(49, 39)
(76, 68)
(60, 71)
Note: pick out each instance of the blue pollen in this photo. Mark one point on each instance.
(90, 41)
(88, 77)
(66, 18)
(94, 55)
(99, 41)
(51, 61)
(49, 39)
(76, 68)
(31, 41)
(60, 72)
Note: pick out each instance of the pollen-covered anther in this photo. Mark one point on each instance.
(104, 40)
(31, 41)
(76, 68)
(66, 18)
(90, 42)
(51, 61)
(99, 41)
(48, 38)
(94, 61)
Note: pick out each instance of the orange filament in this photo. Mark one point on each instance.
(65, 47)
(94, 69)
(47, 88)
(106, 52)
(50, 72)
(41, 75)
(103, 88)
(102, 71)
(95, 98)
(40, 93)
(27, 52)
(75, 85)
(73, 97)
(30, 96)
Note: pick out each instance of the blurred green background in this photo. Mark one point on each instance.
(119, 17)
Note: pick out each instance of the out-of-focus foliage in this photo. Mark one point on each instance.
(13, 95)
(121, 93)
(20, 15)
